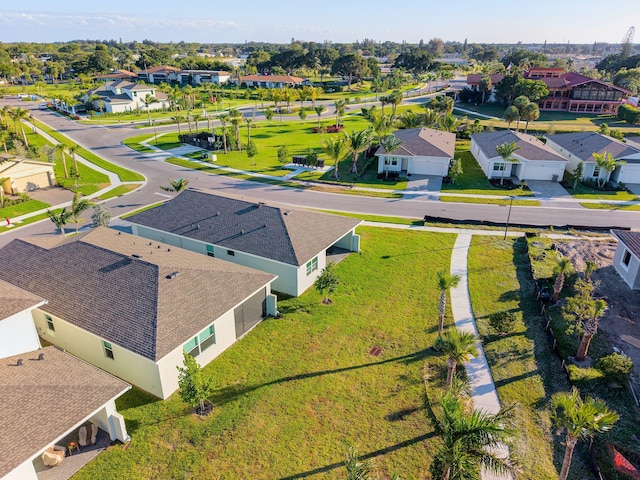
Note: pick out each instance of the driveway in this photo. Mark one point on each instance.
(52, 195)
(424, 183)
(633, 187)
(547, 189)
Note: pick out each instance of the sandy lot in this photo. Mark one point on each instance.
(623, 311)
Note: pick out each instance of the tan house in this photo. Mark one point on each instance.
(25, 175)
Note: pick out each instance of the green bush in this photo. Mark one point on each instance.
(578, 375)
(629, 113)
(615, 367)
(502, 322)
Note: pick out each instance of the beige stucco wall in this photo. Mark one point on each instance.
(628, 273)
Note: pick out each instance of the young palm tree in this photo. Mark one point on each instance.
(19, 115)
(470, 441)
(72, 150)
(445, 282)
(580, 419)
(563, 267)
(3, 139)
(590, 328)
(78, 206)
(319, 109)
(530, 113)
(359, 141)
(459, 346)
(195, 117)
(520, 103)
(178, 119)
(235, 121)
(336, 147)
(224, 118)
(59, 219)
(506, 151)
(589, 268)
(607, 164)
(381, 124)
(148, 100)
(390, 144)
(2, 180)
(61, 148)
(177, 185)
(357, 469)
(250, 124)
(341, 107)
(449, 122)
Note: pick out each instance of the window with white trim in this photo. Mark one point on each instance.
(596, 171)
(312, 265)
(108, 350)
(498, 166)
(50, 325)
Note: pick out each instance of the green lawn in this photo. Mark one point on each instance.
(134, 143)
(22, 209)
(609, 206)
(585, 192)
(491, 201)
(499, 280)
(28, 220)
(296, 391)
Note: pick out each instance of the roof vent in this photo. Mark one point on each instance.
(288, 212)
(172, 275)
(159, 246)
(119, 233)
(135, 255)
(41, 356)
(217, 214)
(242, 232)
(150, 243)
(19, 363)
(168, 249)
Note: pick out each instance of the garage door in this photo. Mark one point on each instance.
(629, 174)
(250, 312)
(541, 172)
(429, 167)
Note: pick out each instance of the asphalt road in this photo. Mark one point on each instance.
(106, 142)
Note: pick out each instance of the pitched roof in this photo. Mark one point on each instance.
(271, 78)
(19, 165)
(423, 142)
(279, 233)
(15, 300)
(116, 286)
(584, 144)
(474, 78)
(630, 239)
(159, 69)
(44, 399)
(530, 147)
(633, 139)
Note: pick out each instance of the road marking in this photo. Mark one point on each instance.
(163, 194)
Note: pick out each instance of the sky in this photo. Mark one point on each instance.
(278, 21)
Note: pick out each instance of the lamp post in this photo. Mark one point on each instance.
(506, 226)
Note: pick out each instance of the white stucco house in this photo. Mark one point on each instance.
(579, 147)
(199, 77)
(131, 306)
(124, 96)
(534, 160)
(45, 393)
(626, 260)
(293, 244)
(424, 151)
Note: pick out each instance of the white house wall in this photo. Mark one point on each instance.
(25, 471)
(540, 170)
(127, 365)
(628, 173)
(485, 163)
(428, 166)
(628, 273)
(18, 335)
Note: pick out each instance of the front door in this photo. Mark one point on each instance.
(514, 169)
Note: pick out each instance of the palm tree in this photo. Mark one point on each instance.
(19, 115)
(289, 95)
(178, 119)
(276, 97)
(357, 469)
(177, 185)
(471, 441)
(262, 94)
(506, 151)
(3, 139)
(196, 117)
(449, 122)
(598, 308)
(510, 115)
(72, 150)
(59, 219)
(390, 144)
(395, 99)
(607, 164)
(459, 346)
(224, 118)
(445, 282)
(77, 207)
(359, 141)
(530, 113)
(319, 109)
(341, 107)
(410, 119)
(562, 268)
(148, 100)
(336, 147)
(580, 419)
(61, 148)
(250, 124)
(520, 103)
(2, 180)
(235, 121)
(382, 125)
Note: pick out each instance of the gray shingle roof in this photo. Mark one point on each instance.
(94, 281)
(279, 233)
(43, 399)
(15, 300)
(530, 147)
(630, 239)
(423, 142)
(584, 144)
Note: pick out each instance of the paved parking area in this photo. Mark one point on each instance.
(634, 187)
(52, 195)
(547, 189)
(424, 183)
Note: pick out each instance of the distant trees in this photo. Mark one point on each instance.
(351, 67)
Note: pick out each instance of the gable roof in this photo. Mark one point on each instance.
(159, 69)
(271, 78)
(21, 166)
(423, 142)
(530, 147)
(15, 300)
(630, 239)
(116, 286)
(474, 78)
(633, 139)
(584, 144)
(44, 399)
(279, 233)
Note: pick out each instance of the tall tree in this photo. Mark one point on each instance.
(580, 419)
(506, 151)
(359, 141)
(178, 119)
(72, 151)
(336, 147)
(61, 148)
(351, 67)
(530, 113)
(79, 205)
(319, 109)
(445, 282)
(19, 115)
(148, 100)
(485, 86)
(459, 346)
(341, 107)
(511, 114)
(520, 103)
(224, 118)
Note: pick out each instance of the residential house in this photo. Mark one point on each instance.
(45, 393)
(199, 77)
(579, 147)
(633, 140)
(123, 96)
(534, 159)
(24, 174)
(626, 260)
(158, 75)
(293, 244)
(117, 75)
(473, 82)
(132, 306)
(424, 151)
(270, 81)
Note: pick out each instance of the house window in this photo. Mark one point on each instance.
(135, 94)
(596, 171)
(210, 250)
(394, 162)
(108, 350)
(50, 325)
(498, 167)
(231, 252)
(626, 258)
(386, 161)
(312, 265)
(201, 342)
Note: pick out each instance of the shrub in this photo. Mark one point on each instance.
(578, 375)
(629, 113)
(615, 367)
(502, 322)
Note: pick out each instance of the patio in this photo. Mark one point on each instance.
(72, 463)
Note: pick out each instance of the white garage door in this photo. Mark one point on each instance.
(429, 167)
(629, 174)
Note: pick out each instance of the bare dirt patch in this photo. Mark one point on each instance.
(620, 321)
